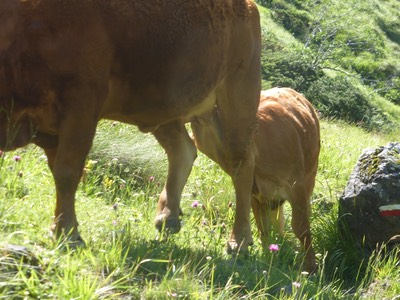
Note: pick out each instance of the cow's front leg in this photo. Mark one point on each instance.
(208, 135)
(66, 161)
(181, 154)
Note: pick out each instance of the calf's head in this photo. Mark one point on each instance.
(16, 92)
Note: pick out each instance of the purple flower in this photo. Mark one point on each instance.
(195, 203)
(273, 248)
(17, 158)
(115, 222)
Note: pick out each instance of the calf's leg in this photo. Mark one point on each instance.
(267, 219)
(301, 211)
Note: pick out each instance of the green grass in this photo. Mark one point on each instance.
(124, 257)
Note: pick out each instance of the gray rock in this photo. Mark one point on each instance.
(370, 205)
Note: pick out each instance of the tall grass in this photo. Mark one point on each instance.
(125, 258)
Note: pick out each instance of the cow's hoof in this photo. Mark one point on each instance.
(169, 226)
(71, 244)
(70, 241)
(76, 243)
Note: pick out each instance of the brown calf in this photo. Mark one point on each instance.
(287, 149)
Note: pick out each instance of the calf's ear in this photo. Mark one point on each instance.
(8, 22)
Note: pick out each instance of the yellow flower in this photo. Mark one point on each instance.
(108, 182)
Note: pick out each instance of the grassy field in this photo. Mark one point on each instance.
(126, 259)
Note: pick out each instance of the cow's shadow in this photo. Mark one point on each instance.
(243, 273)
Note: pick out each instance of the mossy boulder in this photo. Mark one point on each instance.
(369, 208)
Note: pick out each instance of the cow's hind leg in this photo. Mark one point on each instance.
(181, 154)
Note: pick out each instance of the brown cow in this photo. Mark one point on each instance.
(156, 64)
(286, 149)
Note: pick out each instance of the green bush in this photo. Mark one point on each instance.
(393, 93)
(292, 68)
(391, 28)
(381, 75)
(295, 20)
(337, 98)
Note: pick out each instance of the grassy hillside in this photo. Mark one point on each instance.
(344, 56)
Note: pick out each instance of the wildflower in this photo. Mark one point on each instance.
(108, 182)
(115, 222)
(195, 204)
(305, 273)
(90, 164)
(296, 284)
(17, 158)
(173, 295)
(151, 178)
(273, 248)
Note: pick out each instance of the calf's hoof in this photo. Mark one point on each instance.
(311, 267)
(234, 247)
(169, 226)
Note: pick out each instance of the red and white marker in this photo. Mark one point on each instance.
(390, 210)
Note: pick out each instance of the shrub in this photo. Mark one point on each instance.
(293, 19)
(391, 28)
(382, 75)
(338, 98)
(292, 68)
